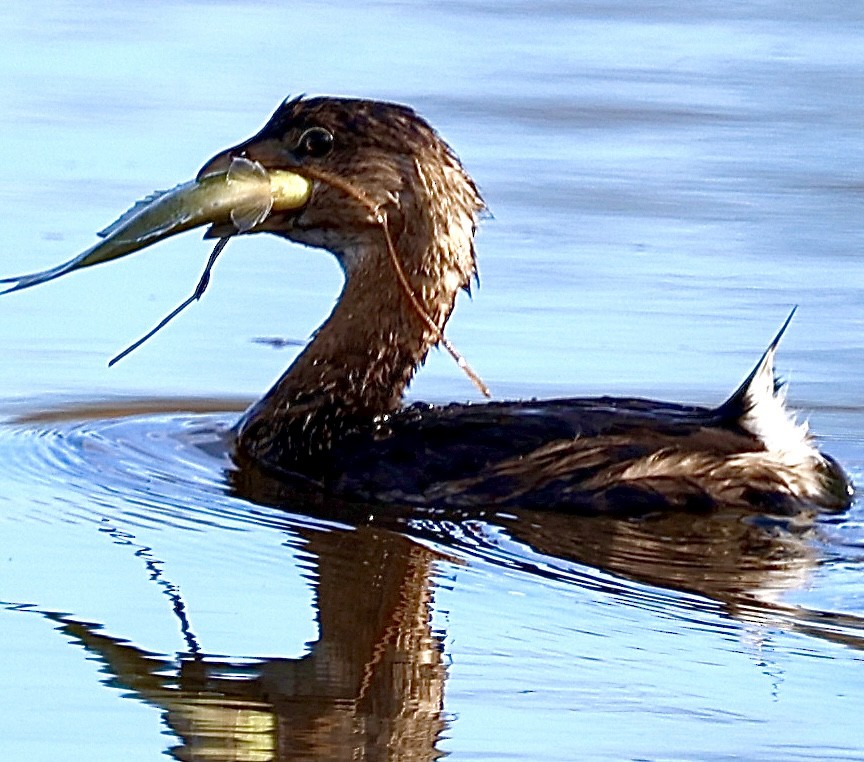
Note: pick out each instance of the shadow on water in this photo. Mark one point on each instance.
(371, 685)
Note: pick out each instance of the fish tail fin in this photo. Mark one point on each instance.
(20, 282)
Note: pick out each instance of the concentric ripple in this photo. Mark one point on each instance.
(165, 469)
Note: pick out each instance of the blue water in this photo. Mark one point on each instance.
(665, 182)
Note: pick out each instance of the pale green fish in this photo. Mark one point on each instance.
(243, 196)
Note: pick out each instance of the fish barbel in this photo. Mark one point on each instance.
(241, 197)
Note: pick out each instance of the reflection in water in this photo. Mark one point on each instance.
(730, 556)
(743, 561)
(370, 687)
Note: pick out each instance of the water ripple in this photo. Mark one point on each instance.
(172, 470)
(155, 470)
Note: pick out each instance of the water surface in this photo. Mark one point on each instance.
(665, 183)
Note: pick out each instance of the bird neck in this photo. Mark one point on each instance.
(363, 357)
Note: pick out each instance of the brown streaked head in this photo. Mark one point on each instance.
(391, 158)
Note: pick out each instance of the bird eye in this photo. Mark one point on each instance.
(315, 142)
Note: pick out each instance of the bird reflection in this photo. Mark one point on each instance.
(746, 563)
(730, 557)
(369, 688)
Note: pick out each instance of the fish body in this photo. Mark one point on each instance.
(242, 197)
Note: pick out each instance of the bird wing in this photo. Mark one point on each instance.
(557, 453)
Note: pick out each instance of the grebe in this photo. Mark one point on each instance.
(382, 191)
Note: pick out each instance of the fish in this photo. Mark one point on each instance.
(240, 198)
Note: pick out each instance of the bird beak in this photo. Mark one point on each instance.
(233, 193)
(267, 152)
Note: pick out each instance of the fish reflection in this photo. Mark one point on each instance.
(371, 687)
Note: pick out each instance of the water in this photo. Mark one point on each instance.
(666, 182)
